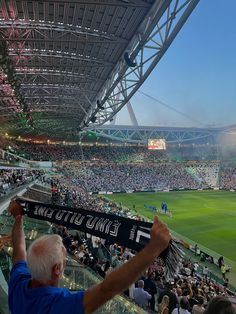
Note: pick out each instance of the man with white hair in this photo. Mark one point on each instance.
(33, 285)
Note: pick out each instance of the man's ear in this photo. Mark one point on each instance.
(56, 270)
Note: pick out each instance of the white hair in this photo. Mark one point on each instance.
(44, 253)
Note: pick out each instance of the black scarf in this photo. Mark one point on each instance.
(130, 233)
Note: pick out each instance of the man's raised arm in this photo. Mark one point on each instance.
(120, 279)
(18, 235)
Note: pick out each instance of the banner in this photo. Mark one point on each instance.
(130, 233)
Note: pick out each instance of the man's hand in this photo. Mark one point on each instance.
(160, 236)
(15, 209)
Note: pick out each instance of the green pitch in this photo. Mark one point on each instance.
(205, 217)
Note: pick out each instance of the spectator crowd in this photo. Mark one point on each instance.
(96, 177)
(131, 167)
(11, 178)
(125, 169)
(190, 291)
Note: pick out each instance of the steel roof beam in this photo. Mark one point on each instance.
(141, 134)
(78, 107)
(89, 62)
(63, 40)
(153, 38)
(45, 79)
(81, 34)
(125, 3)
(44, 39)
(74, 107)
(62, 116)
(65, 109)
(64, 87)
(50, 96)
(42, 71)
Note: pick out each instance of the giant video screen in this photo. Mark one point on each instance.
(157, 144)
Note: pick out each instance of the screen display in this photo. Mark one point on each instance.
(158, 144)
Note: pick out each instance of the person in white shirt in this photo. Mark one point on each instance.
(96, 243)
(205, 271)
(187, 271)
(183, 307)
(195, 265)
(131, 291)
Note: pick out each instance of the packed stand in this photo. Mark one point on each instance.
(205, 172)
(113, 152)
(13, 178)
(228, 176)
(6, 158)
(136, 177)
(191, 290)
(108, 153)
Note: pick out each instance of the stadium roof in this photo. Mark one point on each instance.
(72, 65)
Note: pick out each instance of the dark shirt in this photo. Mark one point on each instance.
(150, 287)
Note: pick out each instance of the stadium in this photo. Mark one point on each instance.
(88, 187)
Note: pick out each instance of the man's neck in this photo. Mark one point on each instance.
(40, 284)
